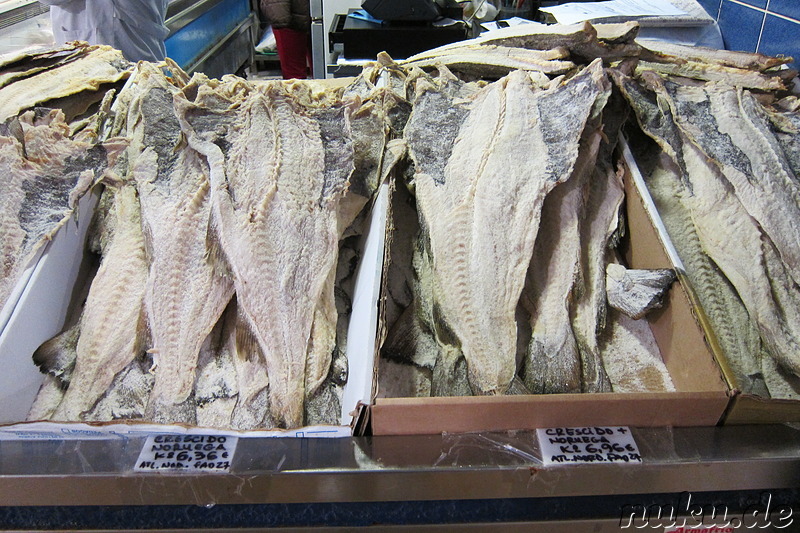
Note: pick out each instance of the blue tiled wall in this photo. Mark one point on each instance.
(769, 27)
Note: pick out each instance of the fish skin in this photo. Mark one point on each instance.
(466, 276)
(56, 357)
(295, 202)
(97, 64)
(185, 294)
(112, 324)
(47, 173)
(732, 130)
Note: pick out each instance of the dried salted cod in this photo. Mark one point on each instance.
(637, 292)
(496, 61)
(481, 208)
(277, 221)
(731, 238)
(552, 360)
(588, 312)
(87, 71)
(186, 293)
(112, 325)
(731, 128)
(632, 358)
(585, 41)
(679, 54)
(46, 174)
(735, 332)
(716, 73)
(738, 246)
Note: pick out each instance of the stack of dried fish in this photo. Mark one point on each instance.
(214, 301)
(468, 305)
(518, 201)
(50, 154)
(723, 172)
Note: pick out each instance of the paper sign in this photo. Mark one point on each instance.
(588, 445)
(187, 453)
(579, 11)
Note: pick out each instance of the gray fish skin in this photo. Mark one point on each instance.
(637, 292)
(481, 241)
(185, 293)
(46, 175)
(738, 338)
(56, 357)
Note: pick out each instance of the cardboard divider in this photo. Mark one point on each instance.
(700, 399)
(743, 408)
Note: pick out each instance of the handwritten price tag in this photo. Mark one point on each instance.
(187, 453)
(588, 445)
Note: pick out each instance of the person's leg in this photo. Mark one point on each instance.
(292, 52)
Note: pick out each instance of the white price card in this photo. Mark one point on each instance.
(588, 445)
(187, 453)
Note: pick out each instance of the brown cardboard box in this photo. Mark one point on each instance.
(742, 408)
(700, 399)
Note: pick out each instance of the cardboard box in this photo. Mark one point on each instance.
(743, 408)
(700, 399)
(50, 291)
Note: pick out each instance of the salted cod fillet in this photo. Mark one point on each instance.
(552, 360)
(737, 245)
(46, 175)
(482, 232)
(185, 293)
(98, 64)
(277, 221)
(112, 325)
(730, 127)
(662, 168)
(631, 356)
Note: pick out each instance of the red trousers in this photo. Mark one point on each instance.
(294, 52)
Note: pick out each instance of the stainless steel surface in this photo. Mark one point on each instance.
(18, 12)
(447, 467)
(317, 50)
(182, 12)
